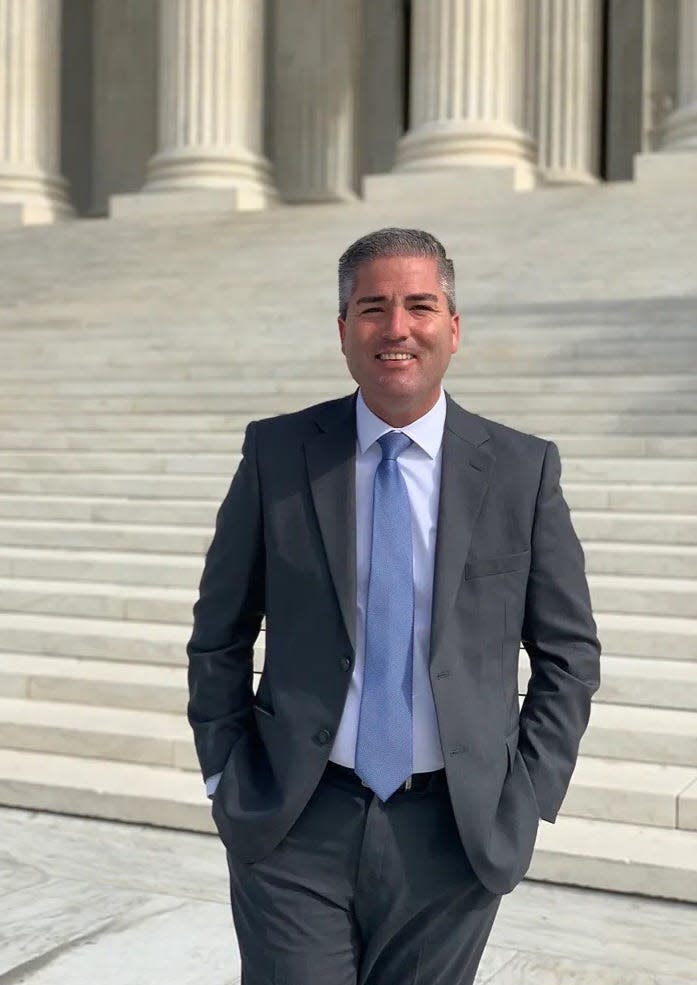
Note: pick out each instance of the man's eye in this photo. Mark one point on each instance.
(423, 307)
(368, 311)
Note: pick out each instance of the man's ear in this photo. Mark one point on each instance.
(455, 329)
(342, 332)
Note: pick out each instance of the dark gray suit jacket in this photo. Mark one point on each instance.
(508, 566)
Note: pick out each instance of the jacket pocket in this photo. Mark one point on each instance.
(496, 565)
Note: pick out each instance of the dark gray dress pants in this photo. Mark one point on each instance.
(363, 892)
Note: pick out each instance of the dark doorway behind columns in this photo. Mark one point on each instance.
(76, 101)
(109, 98)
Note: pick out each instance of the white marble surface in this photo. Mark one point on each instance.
(84, 900)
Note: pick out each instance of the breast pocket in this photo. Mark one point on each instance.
(480, 566)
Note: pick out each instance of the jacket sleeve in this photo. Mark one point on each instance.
(227, 619)
(559, 635)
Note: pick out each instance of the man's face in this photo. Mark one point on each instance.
(398, 307)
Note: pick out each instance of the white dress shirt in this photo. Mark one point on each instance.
(420, 464)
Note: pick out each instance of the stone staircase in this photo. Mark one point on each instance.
(133, 354)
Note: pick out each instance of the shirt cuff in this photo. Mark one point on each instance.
(212, 783)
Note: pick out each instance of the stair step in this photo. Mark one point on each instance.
(102, 639)
(99, 425)
(638, 595)
(632, 792)
(132, 568)
(103, 683)
(642, 560)
(647, 636)
(109, 509)
(88, 787)
(632, 527)
(120, 734)
(105, 536)
(650, 735)
(630, 497)
(95, 600)
(624, 858)
(138, 486)
(638, 681)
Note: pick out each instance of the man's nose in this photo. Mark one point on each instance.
(396, 323)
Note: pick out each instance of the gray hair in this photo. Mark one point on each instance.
(394, 242)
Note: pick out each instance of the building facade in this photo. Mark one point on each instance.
(236, 104)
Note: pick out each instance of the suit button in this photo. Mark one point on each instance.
(323, 736)
(345, 663)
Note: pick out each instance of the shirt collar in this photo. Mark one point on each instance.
(425, 431)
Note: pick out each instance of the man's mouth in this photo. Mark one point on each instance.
(386, 356)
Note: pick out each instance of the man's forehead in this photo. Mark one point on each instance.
(398, 270)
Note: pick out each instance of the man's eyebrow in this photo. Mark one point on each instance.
(372, 299)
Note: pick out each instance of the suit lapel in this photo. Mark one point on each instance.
(465, 476)
(331, 466)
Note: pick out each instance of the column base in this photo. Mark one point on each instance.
(679, 132)
(466, 185)
(227, 169)
(567, 176)
(31, 198)
(666, 168)
(150, 204)
(464, 143)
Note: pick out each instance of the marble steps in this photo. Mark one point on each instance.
(586, 421)
(113, 467)
(110, 509)
(642, 560)
(635, 527)
(661, 597)
(258, 405)
(620, 857)
(622, 498)
(543, 366)
(632, 791)
(296, 375)
(657, 637)
(223, 442)
(122, 734)
(669, 684)
(649, 735)
(131, 568)
(138, 486)
(98, 600)
(181, 536)
(160, 538)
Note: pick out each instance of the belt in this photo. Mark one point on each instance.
(417, 781)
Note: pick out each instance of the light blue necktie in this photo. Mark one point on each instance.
(384, 741)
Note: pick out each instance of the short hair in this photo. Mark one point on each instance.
(394, 242)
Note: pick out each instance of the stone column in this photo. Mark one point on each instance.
(469, 87)
(680, 131)
(569, 90)
(31, 187)
(210, 114)
(316, 76)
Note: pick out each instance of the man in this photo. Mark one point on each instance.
(381, 790)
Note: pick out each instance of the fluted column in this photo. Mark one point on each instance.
(315, 100)
(30, 110)
(211, 81)
(680, 131)
(469, 86)
(569, 88)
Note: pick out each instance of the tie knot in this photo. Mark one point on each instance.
(393, 443)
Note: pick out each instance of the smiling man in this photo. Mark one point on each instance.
(382, 790)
